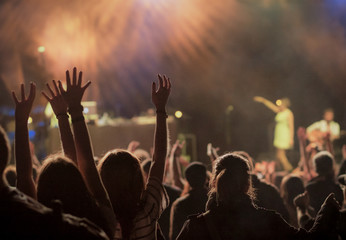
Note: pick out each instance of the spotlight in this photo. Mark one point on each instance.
(30, 120)
(41, 49)
(178, 114)
(229, 109)
(278, 102)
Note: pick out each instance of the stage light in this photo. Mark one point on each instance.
(229, 109)
(41, 49)
(278, 102)
(30, 120)
(178, 114)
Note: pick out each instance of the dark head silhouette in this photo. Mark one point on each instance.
(324, 164)
(231, 180)
(59, 178)
(122, 177)
(196, 174)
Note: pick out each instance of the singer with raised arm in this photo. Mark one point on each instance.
(284, 128)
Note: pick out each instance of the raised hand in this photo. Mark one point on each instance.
(25, 181)
(59, 107)
(24, 106)
(301, 133)
(133, 145)
(302, 200)
(56, 100)
(212, 152)
(160, 96)
(177, 148)
(75, 91)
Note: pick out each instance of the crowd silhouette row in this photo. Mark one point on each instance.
(126, 194)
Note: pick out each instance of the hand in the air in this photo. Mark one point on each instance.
(160, 95)
(74, 92)
(24, 106)
(56, 100)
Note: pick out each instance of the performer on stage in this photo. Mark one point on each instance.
(318, 131)
(284, 128)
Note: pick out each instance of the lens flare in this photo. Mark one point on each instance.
(178, 114)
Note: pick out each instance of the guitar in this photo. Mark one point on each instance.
(318, 137)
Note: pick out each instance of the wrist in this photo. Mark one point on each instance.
(61, 115)
(21, 120)
(302, 209)
(76, 119)
(75, 109)
(161, 112)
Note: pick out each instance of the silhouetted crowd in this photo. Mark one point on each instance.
(131, 194)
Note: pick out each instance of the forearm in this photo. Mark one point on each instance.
(175, 165)
(329, 146)
(160, 147)
(304, 219)
(85, 158)
(66, 138)
(270, 105)
(304, 157)
(25, 181)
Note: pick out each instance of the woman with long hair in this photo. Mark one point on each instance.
(137, 206)
(233, 215)
(73, 178)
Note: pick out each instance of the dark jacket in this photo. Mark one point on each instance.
(319, 188)
(192, 203)
(245, 221)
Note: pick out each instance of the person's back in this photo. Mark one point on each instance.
(268, 197)
(193, 202)
(242, 223)
(164, 220)
(319, 189)
(324, 184)
(60, 179)
(236, 217)
(291, 187)
(22, 217)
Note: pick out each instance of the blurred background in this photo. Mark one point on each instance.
(219, 55)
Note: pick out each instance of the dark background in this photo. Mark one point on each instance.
(218, 54)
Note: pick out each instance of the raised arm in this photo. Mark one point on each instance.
(159, 98)
(267, 103)
(301, 202)
(73, 97)
(59, 107)
(25, 181)
(302, 150)
(175, 168)
(328, 142)
(212, 154)
(133, 145)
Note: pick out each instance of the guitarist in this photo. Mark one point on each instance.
(319, 131)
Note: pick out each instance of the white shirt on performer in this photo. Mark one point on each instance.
(333, 128)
